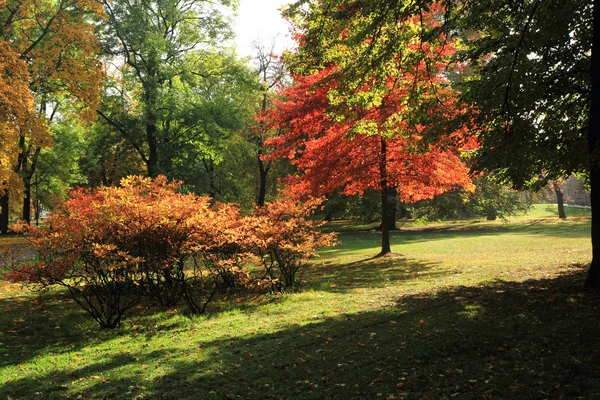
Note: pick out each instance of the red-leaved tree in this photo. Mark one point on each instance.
(375, 148)
(402, 133)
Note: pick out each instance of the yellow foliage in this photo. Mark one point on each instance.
(47, 47)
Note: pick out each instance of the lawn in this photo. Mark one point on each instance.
(466, 309)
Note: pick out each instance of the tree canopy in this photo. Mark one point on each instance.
(526, 68)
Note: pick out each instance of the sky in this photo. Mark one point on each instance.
(260, 20)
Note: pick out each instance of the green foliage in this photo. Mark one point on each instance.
(490, 199)
(530, 80)
(206, 116)
(365, 207)
(456, 204)
(58, 167)
(494, 200)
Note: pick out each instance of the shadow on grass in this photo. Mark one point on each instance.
(33, 324)
(535, 339)
(371, 272)
(41, 323)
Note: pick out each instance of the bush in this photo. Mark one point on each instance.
(225, 246)
(284, 239)
(111, 246)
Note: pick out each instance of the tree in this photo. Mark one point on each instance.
(494, 200)
(534, 86)
(530, 74)
(377, 149)
(378, 129)
(271, 72)
(205, 118)
(17, 115)
(560, 202)
(158, 41)
(58, 166)
(49, 51)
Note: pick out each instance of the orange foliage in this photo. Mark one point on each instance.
(45, 47)
(112, 245)
(285, 239)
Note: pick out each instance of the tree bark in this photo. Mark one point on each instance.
(27, 202)
(27, 176)
(393, 208)
(263, 172)
(152, 162)
(385, 214)
(4, 215)
(560, 200)
(150, 100)
(593, 278)
(36, 203)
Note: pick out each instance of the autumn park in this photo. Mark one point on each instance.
(403, 204)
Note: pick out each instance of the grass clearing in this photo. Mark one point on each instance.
(466, 309)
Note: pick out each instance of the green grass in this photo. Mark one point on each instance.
(551, 210)
(467, 309)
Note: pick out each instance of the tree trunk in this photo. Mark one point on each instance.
(392, 203)
(385, 214)
(4, 215)
(560, 200)
(209, 167)
(392, 209)
(36, 203)
(150, 98)
(27, 176)
(152, 163)
(492, 214)
(27, 201)
(593, 278)
(263, 171)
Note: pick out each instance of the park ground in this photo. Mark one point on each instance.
(463, 309)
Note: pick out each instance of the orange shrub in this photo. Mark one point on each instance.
(285, 238)
(112, 245)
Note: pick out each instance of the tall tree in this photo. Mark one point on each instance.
(374, 128)
(50, 49)
(376, 149)
(593, 138)
(533, 83)
(531, 73)
(158, 40)
(271, 73)
(207, 116)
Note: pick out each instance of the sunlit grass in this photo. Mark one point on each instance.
(469, 309)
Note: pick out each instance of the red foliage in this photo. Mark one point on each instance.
(386, 129)
(333, 155)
